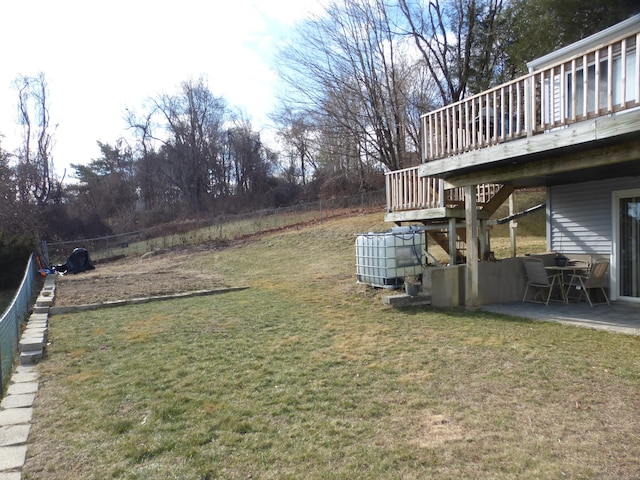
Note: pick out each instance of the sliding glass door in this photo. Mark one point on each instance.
(627, 204)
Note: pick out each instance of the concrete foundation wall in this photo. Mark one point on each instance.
(499, 282)
(502, 282)
(447, 285)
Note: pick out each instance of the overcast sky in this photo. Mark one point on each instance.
(100, 58)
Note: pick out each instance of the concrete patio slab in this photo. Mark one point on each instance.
(620, 317)
(18, 401)
(22, 377)
(25, 369)
(25, 387)
(12, 457)
(14, 434)
(15, 416)
(10, 476)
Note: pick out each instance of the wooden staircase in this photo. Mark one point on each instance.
(443, 236)
(441, 210)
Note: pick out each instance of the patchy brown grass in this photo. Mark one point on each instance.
(307, 375)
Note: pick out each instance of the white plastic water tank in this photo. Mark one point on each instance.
(384, 259)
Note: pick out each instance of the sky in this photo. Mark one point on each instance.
(101, 58)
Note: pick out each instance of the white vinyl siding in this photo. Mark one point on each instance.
(579, 216)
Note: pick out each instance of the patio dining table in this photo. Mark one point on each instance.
(567, 271)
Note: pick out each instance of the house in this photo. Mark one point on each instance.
(572, 125)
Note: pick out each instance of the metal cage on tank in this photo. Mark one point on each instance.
(385, 259)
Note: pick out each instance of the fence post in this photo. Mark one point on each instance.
(44, 247)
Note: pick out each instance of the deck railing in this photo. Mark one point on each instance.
(598, 82)
(407, 190)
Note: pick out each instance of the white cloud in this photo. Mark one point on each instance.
(102, 57)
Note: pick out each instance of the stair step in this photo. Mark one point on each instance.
(31, 344)
(44, 301)
(38, 324)
(403, 300)
(27, 358)
(34, 332)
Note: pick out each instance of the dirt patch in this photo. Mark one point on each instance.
(163, 273)
(135, 277)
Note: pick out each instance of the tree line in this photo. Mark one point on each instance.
(354, 81)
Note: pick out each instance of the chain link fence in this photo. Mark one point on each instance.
(220, 229)
(13, 316)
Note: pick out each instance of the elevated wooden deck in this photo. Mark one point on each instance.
(596, 83)
(566, 122)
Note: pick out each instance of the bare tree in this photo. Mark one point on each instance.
(194, 151)
(251, 162)
(349, 67)
(461, 42)
(194, 123)
(297, 132)
(35, 172)
(181, 139)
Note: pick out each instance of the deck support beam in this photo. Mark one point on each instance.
(471, 220)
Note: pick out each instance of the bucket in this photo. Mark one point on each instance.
(561, 261)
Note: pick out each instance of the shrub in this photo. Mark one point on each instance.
(14, 254)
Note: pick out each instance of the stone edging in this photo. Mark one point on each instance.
(135, 301)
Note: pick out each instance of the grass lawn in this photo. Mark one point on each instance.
(308, 375)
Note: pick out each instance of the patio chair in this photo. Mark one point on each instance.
(538, 278)
(597, 278)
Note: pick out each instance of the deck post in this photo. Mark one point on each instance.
(452, 241)
(512, 226)
(471, 220)
(387, 185)
(484, 239)
(528, 87)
